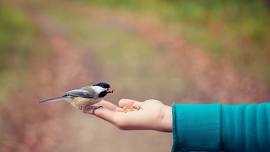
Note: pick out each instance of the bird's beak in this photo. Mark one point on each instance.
(109, 91)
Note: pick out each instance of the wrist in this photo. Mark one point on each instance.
(166, 122)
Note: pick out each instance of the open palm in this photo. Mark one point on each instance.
(149, 115)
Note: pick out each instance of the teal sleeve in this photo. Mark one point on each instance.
(246, 127)
(196, 127)
(215, 127)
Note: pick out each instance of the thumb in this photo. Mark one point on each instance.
(131, 104)
(126, 102)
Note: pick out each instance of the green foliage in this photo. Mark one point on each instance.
(16, 35)
(15, 38)
(246, 19)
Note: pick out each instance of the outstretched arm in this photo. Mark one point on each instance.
(201, 127)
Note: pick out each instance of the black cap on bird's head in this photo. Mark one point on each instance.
(103, 85)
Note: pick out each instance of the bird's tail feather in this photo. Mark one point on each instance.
(55, 99)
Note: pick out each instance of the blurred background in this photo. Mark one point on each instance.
(176, 51)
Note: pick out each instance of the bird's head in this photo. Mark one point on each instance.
(102, 89)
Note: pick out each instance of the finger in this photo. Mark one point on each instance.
(105, 114)
(125, 102)
(107, 104)
(137, 105)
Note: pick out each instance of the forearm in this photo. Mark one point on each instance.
(213, 127)
(166, 119)
(246, 127)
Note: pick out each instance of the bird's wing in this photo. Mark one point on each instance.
(79, 93)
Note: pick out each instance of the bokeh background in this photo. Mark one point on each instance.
(171, 50)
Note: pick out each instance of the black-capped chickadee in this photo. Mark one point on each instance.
(84, 97)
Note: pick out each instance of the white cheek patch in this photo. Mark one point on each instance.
(98, 89)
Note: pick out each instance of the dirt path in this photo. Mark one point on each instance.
(208, 75)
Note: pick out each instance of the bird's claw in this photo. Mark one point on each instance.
(89, 108)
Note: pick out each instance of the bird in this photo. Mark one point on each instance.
(83, 98)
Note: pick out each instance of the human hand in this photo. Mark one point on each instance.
(148, 115)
